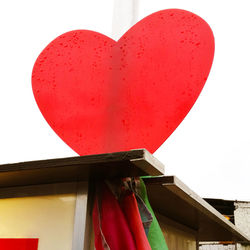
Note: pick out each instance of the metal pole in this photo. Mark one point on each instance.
(125, 15)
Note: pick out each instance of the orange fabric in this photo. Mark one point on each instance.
(131, 211)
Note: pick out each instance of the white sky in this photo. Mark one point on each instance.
(209, 151)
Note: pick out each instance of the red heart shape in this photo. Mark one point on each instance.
(102, 96)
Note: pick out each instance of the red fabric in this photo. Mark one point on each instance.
(97, 228)
(131, 211)
(112, 223)
(18, 244)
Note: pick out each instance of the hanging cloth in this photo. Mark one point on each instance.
(155, 235)
(110, 226)
(130, 208)
(130, 184)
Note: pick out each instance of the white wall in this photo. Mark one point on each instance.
(242, 216)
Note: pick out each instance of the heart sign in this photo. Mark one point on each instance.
(101, 95)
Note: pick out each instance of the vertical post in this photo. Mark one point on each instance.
(125, 15)
(81, 224)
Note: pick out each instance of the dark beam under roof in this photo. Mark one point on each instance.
(225, 207)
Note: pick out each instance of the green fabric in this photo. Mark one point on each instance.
(155, 236)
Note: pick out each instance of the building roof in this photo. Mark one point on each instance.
(112, 165)
(173, 199)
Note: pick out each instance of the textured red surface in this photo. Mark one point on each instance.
(110, 224)
(102, 96)
(18, 244)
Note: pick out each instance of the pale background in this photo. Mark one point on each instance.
(210, 149)
(49, 218)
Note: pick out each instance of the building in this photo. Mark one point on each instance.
(238, 212)
(50, 201)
